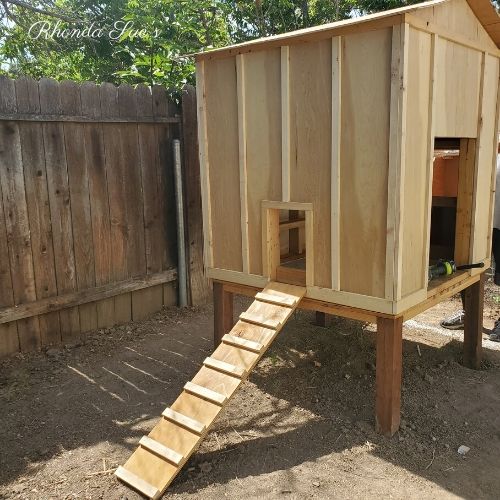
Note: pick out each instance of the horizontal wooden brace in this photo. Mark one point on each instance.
(285, 301)
(161, 450)
(21, 311)
(249, 345)
(268, 323)
(204, 393)
(292, 224)
(137, 483)
(28, 117)
(189, 423)
(227, 368)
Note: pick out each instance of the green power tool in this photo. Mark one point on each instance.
(448, 267)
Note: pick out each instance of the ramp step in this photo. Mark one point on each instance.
(268, 323)
(221, 366)
(189, 423)
(161, 450)
(249, 345)
(160, 456)
(204, 393)
(279, 300)
(137, 483)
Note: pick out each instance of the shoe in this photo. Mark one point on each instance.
(455, 322)
(495, 333)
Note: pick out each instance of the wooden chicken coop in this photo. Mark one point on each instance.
(338, 162)
(318, 150)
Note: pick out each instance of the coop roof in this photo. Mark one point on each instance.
(483, 9)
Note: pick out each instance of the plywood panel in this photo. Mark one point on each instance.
(366, 83)
(484, 185)
(457, 90)
(263, 142)
(457, 17)
(310, 144)
(223, 151)
(416, 168)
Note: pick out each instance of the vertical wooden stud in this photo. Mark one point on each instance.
(309, 248)
(473, 327)
(430, 158)
(285, 123)
(240, 79)
(270, 242)
(223, 312)
(388, 377)
(336, 138)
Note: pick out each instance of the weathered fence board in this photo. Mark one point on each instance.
(87, 208)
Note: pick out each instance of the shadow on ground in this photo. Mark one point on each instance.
(310, 401)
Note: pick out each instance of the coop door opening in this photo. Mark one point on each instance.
(287, 242)
(452, 187)
(292, 268)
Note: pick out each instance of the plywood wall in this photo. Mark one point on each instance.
(417, 169)
(364, 159)
(486, 161)
(457, 90)
(223, 151)
(310, 143)
(262, 119)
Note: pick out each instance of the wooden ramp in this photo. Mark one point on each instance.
(162, 454)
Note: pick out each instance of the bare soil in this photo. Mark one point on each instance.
(301, 427)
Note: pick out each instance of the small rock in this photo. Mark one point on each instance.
(316, 484)
(317, 364)
(52, 353)
(463, 450)
(191, 469)
(428, 378)
(205, 467)
(18, 488)
(347, 376)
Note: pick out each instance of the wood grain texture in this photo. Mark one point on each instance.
(263, 143)
(199, 285)
(223, 157)
(81, 216)
(389, 372)
(458, 17)
(415, 183)
(17, 218)
(366, 77)
(37, 199)
(457, 90)
(310, 144)
(486, 154)
(60, 204)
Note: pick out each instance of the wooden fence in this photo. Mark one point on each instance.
(87, 208)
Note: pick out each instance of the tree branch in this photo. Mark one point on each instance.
(50, 13)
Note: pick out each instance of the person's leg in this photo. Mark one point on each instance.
(496, 254)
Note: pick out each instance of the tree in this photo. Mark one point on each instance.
(169, 29)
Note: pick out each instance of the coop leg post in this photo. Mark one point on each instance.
(473, 326)
(321, 319)
(223, 312)
(388, 378)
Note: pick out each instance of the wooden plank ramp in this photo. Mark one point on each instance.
(182, 427)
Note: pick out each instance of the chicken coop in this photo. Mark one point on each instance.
(322, 154)
(337, 164)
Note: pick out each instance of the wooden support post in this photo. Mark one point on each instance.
(388, 381)
(473, 327)
(223, 312)
(321, 319)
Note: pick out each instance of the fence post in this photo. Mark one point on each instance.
(198, 284)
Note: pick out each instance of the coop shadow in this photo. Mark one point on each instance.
(330, 375)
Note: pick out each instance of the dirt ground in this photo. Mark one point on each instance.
(301, 427)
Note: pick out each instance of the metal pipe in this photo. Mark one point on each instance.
(181, 241)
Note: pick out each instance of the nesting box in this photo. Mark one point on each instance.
(318, 149)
